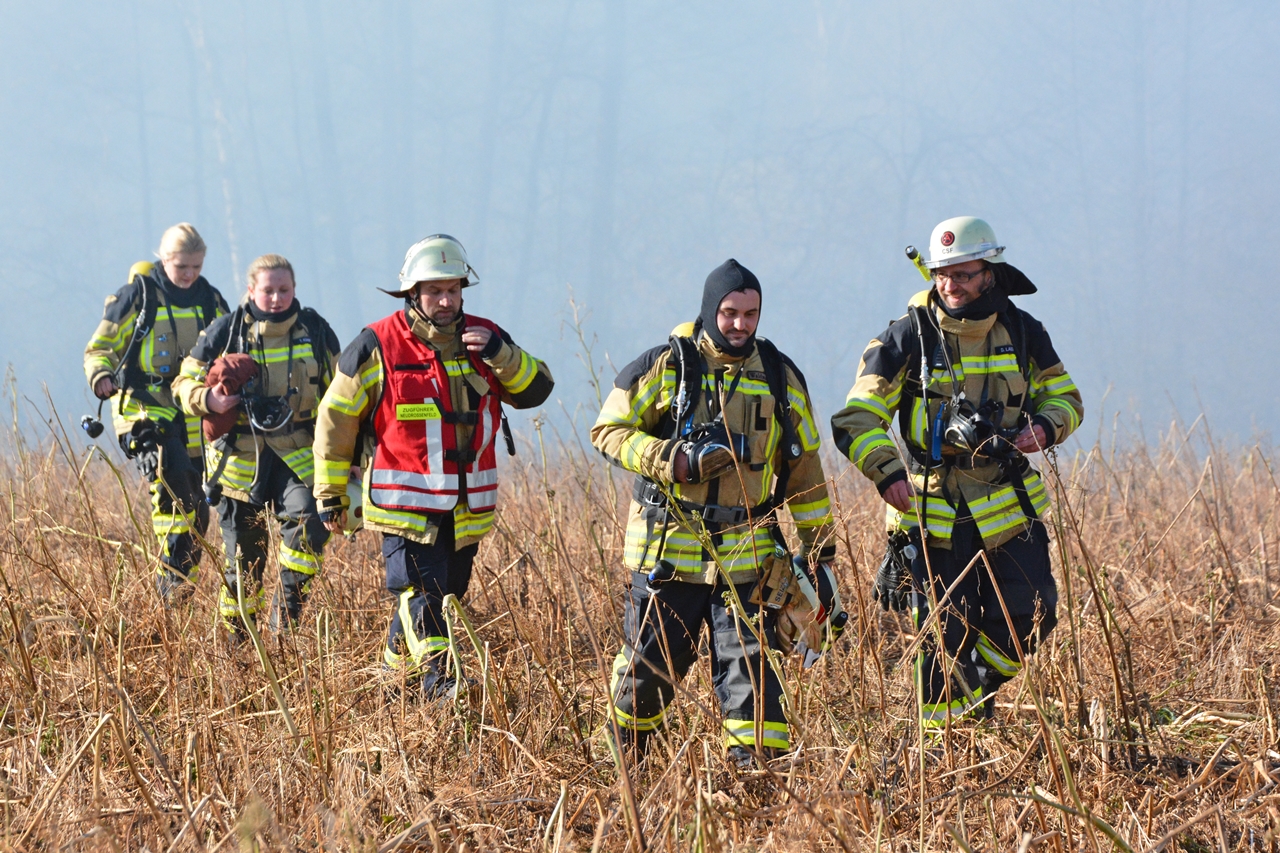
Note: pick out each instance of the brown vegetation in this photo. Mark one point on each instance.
(1147, 722)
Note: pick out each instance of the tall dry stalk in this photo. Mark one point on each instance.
(1148, 721)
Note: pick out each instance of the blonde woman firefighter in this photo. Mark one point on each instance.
(264, 466)
(418, 396)
(147, 327)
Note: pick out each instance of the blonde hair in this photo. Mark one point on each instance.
(269, 262)
(180, 239)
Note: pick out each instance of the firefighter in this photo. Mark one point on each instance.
(263, 465)
(418, 397)
(718, 427)
(147, 327)
(995, 390)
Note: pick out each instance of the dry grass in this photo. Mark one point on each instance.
(1148, 720)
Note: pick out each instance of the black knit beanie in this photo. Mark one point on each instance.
(727, 278)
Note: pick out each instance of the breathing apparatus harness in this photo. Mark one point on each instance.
(958, 423)
(144, 434)
(266, 414)
(698, 439)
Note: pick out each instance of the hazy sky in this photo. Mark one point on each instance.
(1124, 151)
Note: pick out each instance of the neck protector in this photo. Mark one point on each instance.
(991, 301)
(269, 317)
(727, 278)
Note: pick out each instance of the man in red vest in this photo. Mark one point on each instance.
(418, 397)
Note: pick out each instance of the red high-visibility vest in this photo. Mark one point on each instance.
(418, 466)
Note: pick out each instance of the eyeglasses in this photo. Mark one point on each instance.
(957, 276)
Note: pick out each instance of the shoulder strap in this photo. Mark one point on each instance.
(315, 327)
(775, 375)
(1015, 323)
(688, 363)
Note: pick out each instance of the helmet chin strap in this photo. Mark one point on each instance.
(411, 303)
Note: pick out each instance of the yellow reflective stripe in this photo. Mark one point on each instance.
(739, 551)
(193, 370)
(1073, 418)
(300, 462)
(810, 514)
(632, 448)
(1006, 363)
(371, 376)
(919, 422)
(279, 355)
(458, 368)
(1001, 511)
(869, 404)
(621, 663)
(337, 402)
(1003, 665)
(332, 472)
(871, 441)
(1056, 384)
(237, 473)
(303, 562)
(228, 607)
(469, 525)
(524, 376)
(808, 431)
(743, 733)
(169, 525)
(940, 516)
(412, 521)
(646, 394)
(418, 647)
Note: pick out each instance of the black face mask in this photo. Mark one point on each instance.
(265, 316)
(729, 277)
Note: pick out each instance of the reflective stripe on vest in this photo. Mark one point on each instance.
(416, 467)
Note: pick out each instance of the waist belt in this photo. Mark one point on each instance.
(648, 493)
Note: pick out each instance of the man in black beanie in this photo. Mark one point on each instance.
(718, 427)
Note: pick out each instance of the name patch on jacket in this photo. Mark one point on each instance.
(757, 375)
(417, 412)
(1006, 349)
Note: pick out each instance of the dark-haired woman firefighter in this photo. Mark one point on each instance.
(147, 327)
(995, 390)
(264, 465)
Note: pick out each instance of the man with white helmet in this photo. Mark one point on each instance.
(976, 385)
(418, 396)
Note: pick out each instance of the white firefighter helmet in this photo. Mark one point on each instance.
(435, 258)
(963, 238)
(355, 511)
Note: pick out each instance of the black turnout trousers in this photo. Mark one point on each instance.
(977, 638)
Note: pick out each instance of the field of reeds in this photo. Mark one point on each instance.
(1147, 722)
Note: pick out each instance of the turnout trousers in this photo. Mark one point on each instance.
(420, 576)
(978, 648)
(278, 491)
(178, 510)
(662, 628)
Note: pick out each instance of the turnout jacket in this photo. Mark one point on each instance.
(345, 427)
(293, 354)
(176, 316)
(631, 433)
(985, 361)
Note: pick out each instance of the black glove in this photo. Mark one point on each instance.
(893, 578)
(142, 444)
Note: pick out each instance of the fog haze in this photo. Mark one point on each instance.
(1125, 152)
